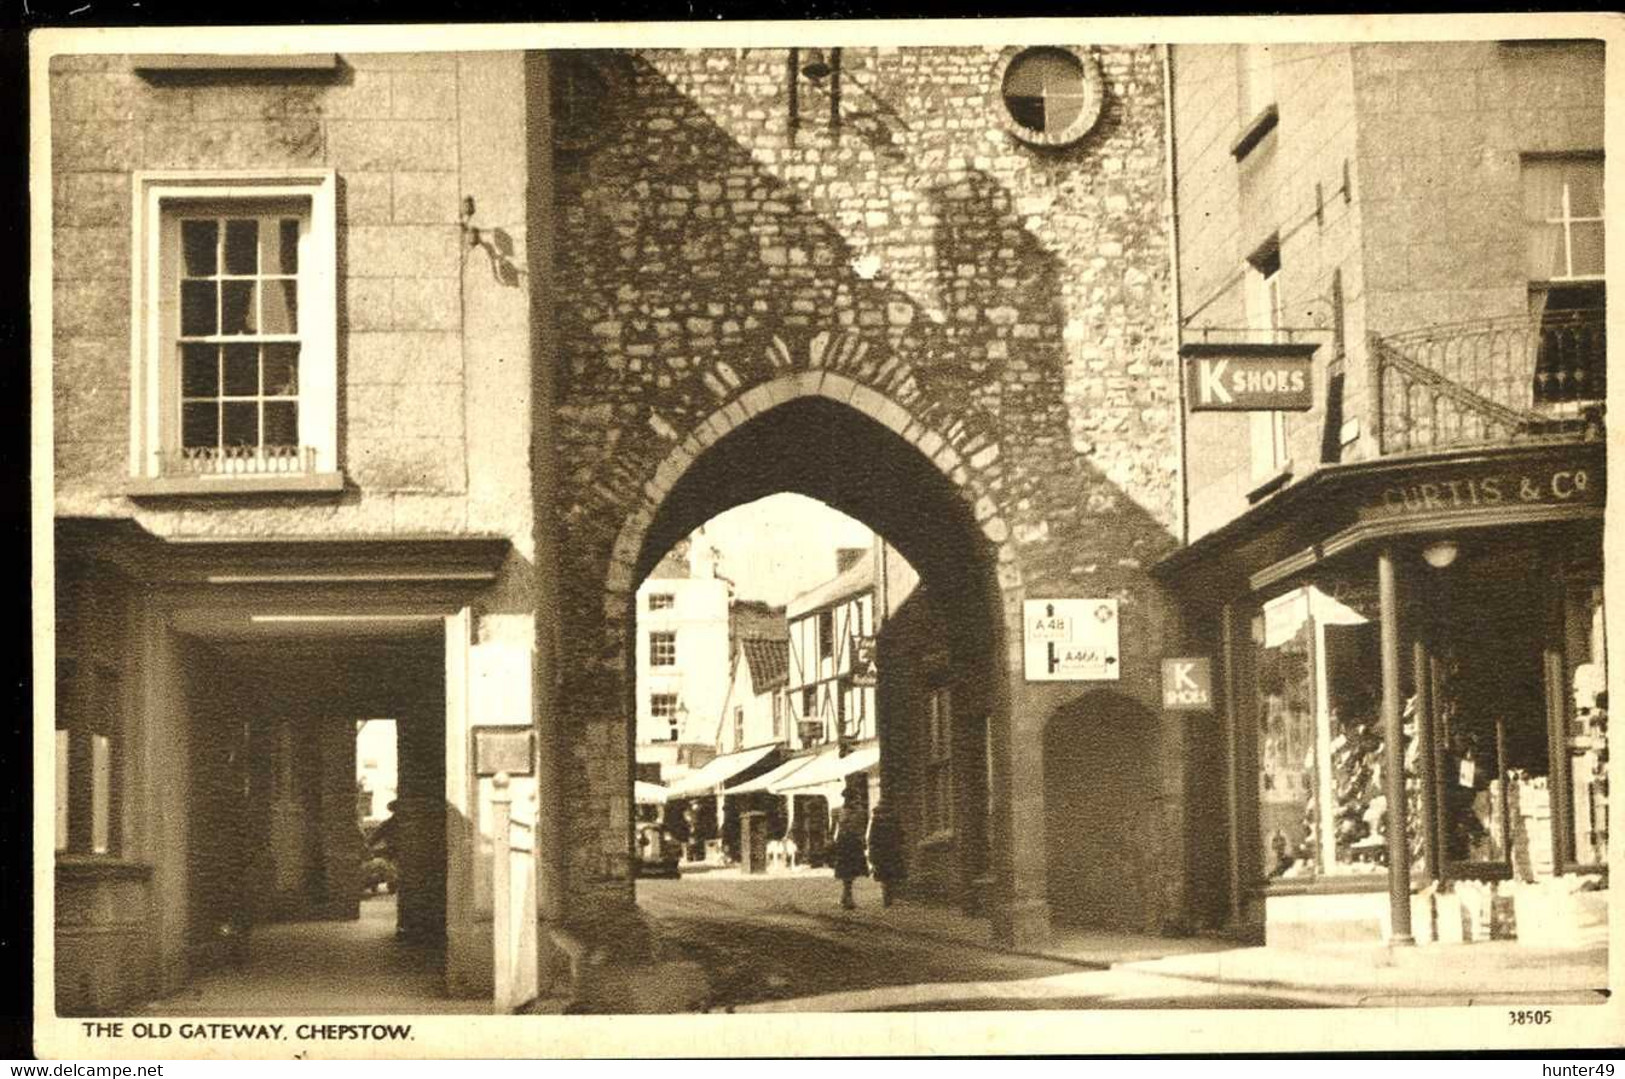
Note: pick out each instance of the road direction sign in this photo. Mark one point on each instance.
(1070, 640)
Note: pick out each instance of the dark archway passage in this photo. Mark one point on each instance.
(834, 452)
(1099, 786)
(277, 919)
(830, 451)
(825, 450)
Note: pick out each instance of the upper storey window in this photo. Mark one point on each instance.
(1563, 225)
(1563, 215)
(235, 320)
(238, 339)
(1255, 89)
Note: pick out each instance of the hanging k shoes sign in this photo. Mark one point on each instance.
(1249, 377)
(1070, 640)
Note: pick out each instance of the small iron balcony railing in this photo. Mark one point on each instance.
(1491, 381)
(240, 461)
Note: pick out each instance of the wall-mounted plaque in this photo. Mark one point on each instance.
(504, 749)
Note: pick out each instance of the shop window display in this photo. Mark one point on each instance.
(1586, 728)
(1508, 646)
(1320, 734)
(1488, 627)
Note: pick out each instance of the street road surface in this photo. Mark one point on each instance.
(784, 944)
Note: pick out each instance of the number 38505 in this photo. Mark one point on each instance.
(1537, 1017)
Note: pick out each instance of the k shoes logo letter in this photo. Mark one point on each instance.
(1211, 378)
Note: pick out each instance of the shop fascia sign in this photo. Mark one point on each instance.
(1249, 377)
(1070, 640)
(865, 668)
(1463, 490)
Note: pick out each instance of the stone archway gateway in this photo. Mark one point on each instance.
(964, 347)
(838, 420)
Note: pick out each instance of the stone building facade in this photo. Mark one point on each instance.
(203, 602)
(1429, 218)
(562, 309)
(957, 337)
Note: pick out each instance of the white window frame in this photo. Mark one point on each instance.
(671, 719)
(660, 637)
(662, 601)
(1566, 218)
(159, 197)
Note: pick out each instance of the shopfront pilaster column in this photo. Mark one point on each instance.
(1399, 855)
(1425, 755)
(1232, 720)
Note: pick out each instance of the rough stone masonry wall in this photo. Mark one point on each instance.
(1012, 301)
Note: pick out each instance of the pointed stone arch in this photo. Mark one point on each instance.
(834, 367)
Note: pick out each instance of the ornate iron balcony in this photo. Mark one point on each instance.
(1492, 381)
(240, 461)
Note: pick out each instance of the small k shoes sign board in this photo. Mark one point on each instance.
(1187, 684)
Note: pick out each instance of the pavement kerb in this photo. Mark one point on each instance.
(1319, 991)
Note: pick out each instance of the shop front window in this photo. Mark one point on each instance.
(1321, 793)
(1489, 630)
(1586, 726)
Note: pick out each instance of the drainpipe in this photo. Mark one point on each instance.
(1171, 187)
(1182, 527)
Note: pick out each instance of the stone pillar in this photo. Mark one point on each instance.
(341, 843)
(1020, 913)
(467, 951)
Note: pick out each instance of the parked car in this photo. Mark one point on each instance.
(658, 852)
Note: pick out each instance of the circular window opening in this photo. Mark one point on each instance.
(1052, 94)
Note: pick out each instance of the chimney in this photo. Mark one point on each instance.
(847, 557)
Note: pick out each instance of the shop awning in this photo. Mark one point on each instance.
(705, 780)
(830, 767)
(772, 780)
(648, 794)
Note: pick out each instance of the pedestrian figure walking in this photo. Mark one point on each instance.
(886, 850)
(850, 862)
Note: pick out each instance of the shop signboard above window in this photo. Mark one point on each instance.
(1070, 640)
(1553, 482)
(1249, 377)
(865, 671)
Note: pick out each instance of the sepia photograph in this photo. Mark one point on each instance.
(1048, 524)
